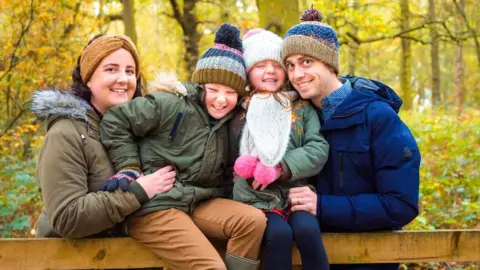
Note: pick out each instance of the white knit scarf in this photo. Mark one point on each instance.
(267, 131)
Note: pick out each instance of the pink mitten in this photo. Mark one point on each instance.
(266, 174)
(245, 166)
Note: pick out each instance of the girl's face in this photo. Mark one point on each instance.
(113, 81)
(267, 75)
(219, 99)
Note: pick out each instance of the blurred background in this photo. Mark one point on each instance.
(427, 50)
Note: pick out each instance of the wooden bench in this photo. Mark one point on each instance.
(380, 247)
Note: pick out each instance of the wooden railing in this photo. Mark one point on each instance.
(378, 247)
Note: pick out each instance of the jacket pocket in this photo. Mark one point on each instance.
(351, 161)
(160, 163)
(268, 199)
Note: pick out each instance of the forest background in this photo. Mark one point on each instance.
(427, 50)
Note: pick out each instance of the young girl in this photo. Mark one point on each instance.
(280, 147)
(184, 126)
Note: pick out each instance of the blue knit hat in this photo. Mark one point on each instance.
(312, 38)
(223, 63)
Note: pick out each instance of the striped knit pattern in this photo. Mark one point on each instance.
(223, 64)
(314, 39)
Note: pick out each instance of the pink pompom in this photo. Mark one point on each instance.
(245, 166)
(266, 174)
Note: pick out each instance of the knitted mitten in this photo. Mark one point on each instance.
(245, 166)
(120, 180)
(267, 174)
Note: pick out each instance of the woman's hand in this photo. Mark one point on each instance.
(160, 181)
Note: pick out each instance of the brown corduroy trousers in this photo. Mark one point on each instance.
(181, 240)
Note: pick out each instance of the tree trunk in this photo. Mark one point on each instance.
(459, 65)
(129, 19)
(352, 57)
(190, 36)
(471, 29)
(421, 91)
(279, 15)
(436, 97)
(406, 58)
(353, 47)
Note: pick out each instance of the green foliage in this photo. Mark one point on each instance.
(19, 197)
(450, 185)
(20, 200)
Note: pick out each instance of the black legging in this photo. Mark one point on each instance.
(278, 238)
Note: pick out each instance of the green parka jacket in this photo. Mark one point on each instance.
(170, 126)
(306, 154)
(72, 167)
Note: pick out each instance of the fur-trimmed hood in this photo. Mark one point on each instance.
(55, 103)
(167, 82)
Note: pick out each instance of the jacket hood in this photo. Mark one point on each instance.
(55, 103)
(167, 82)
(364, 92)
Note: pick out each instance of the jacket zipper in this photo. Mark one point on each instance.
(174, 129)
(341, 171)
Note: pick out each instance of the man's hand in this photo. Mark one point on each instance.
(303, 199)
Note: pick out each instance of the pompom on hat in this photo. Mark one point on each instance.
(260, 45)
(313, 38)
(223, 62)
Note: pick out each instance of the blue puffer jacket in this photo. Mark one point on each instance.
(371, 179)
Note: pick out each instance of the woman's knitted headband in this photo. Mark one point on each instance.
(100, 48)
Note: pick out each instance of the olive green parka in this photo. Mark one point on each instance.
(72, 167)
(171, 126)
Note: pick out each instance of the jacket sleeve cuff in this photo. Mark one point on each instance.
(286, 172)
(138, 191)
(135, 167)
(319, 208)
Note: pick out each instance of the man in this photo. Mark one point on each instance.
(371, 180)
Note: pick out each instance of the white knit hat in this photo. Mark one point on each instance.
(259, 45)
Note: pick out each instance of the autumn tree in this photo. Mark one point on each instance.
(406, 57)
(435, 84)
(459, 64)
(129, 19)
(278, 16)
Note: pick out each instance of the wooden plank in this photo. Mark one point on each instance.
(406, 246)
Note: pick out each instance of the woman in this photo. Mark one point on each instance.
(73, 165)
